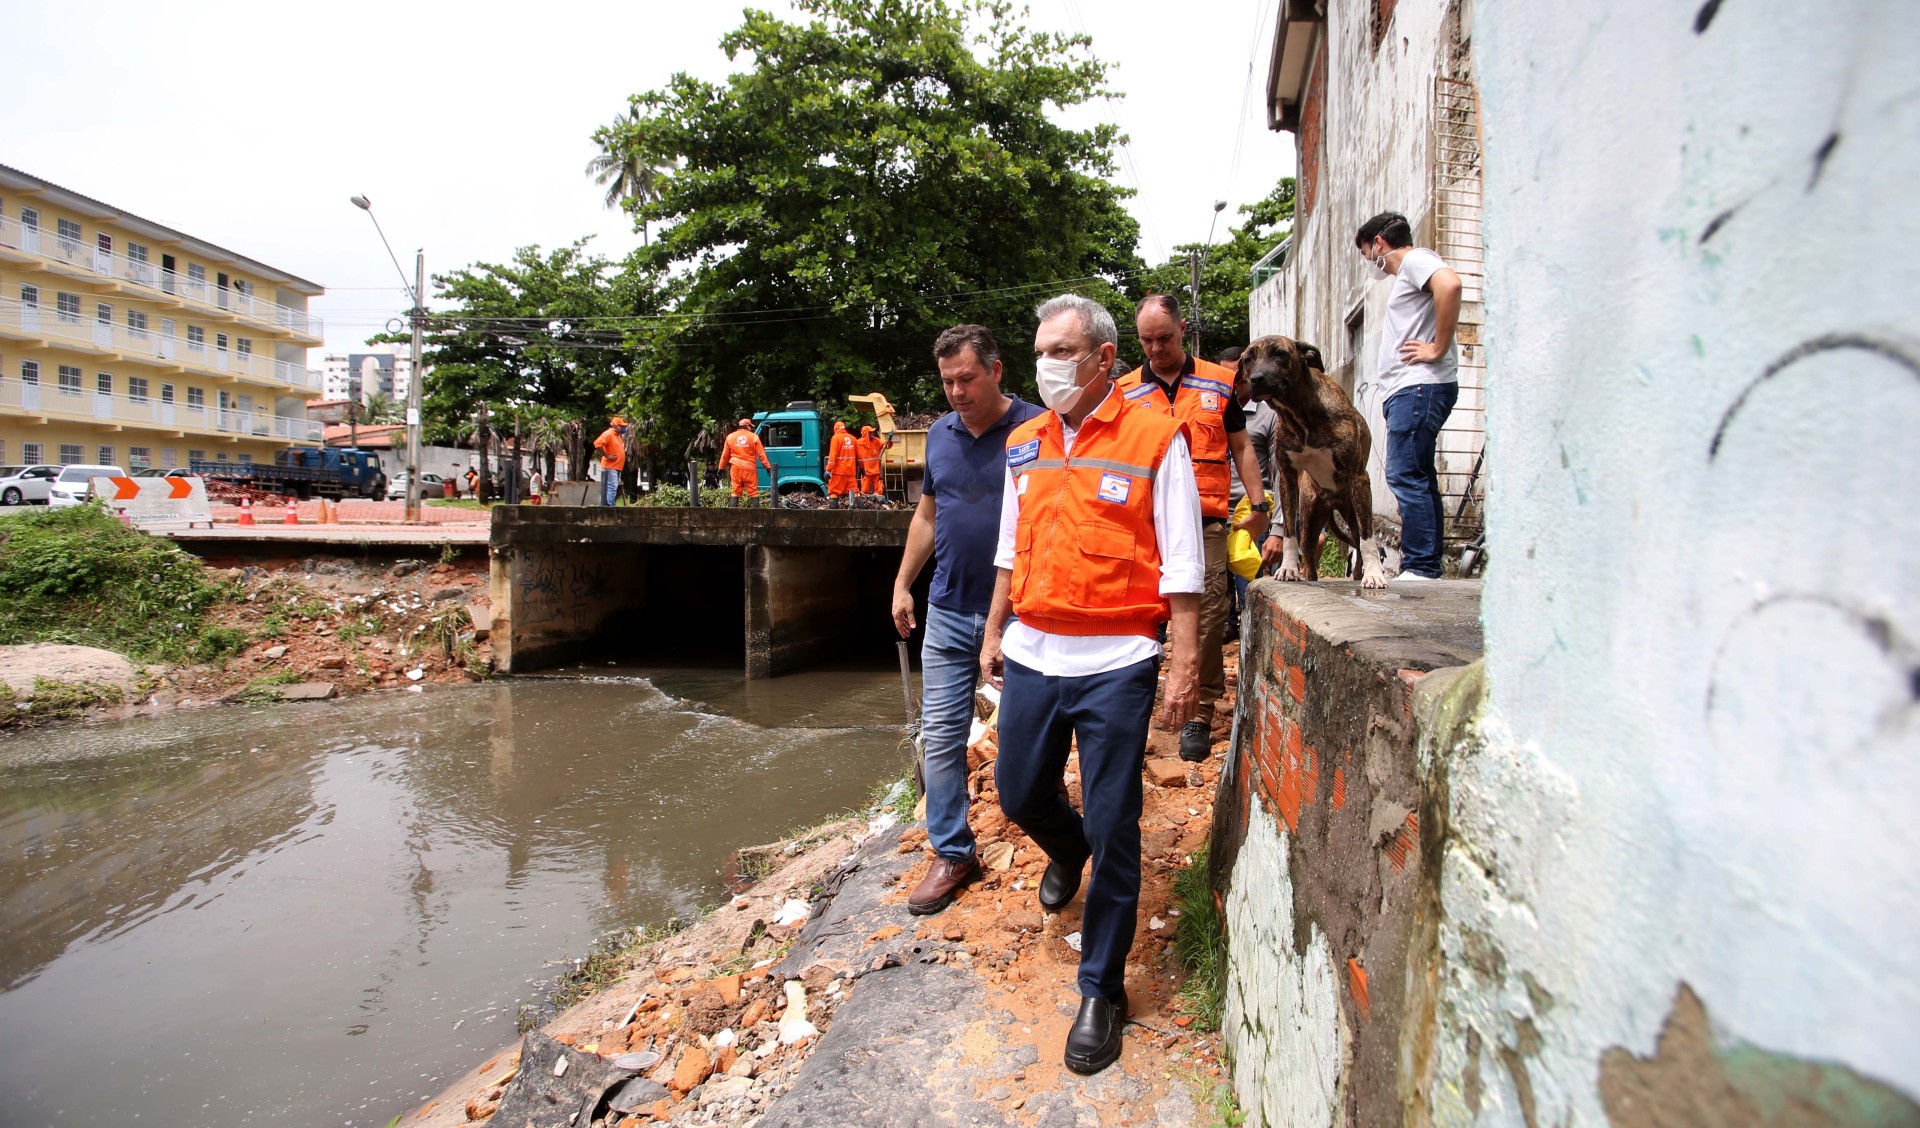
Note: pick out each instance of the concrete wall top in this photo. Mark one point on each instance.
(791, 528)
(1691, 829)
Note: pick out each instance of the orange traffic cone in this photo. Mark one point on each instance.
(246, 511)
(293, 513)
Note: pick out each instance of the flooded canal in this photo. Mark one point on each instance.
(321, 914)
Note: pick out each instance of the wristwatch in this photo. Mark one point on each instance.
(1266, 506)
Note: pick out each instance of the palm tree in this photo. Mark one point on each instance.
(381, 408)
(627, 178)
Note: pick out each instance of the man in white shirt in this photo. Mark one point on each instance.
(1419, 380)
(1099, 544)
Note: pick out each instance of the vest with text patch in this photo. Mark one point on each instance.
(1201, 403)
(1086, 558)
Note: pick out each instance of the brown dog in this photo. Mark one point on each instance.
(1320, 458)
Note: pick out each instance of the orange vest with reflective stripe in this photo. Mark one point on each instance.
(1086, 559)
(1201, 403)
(869, 451)
(744, 450)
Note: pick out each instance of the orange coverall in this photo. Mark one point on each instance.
(842, 460)
(869, 446)
(745, 454)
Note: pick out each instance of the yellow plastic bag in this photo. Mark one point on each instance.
(1243, 556)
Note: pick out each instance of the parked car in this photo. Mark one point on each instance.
(26, 485)
(156, 472)
(429, 486)
(70, 488)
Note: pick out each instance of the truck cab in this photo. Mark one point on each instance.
(795, 438)
(338, 472)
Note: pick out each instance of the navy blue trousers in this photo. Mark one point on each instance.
(1108, 714)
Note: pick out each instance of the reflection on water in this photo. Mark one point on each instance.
(320, 914)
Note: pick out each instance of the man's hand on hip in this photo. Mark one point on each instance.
(1422, 352)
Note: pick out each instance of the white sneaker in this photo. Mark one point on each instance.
(1411, 577)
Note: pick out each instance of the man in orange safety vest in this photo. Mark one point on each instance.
(743, 456)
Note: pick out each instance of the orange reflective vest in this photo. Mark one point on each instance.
(744, 450)
(841, 458)
(869, 448)
(1086, 559)
(1201, 403)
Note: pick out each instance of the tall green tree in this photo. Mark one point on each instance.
(882, 169)
(628, 180)
(1225, 278)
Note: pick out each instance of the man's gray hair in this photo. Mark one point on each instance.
(1095, 321)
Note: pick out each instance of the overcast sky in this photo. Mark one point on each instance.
(468, 124)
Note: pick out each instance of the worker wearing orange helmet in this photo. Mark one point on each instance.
(743, 455)
(842, 460)
(869, 446)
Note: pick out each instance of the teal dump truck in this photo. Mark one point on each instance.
(796, 441)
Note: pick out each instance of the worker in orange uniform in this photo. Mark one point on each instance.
(613, 459)
(1199, 393)
(842, 460)
(868, 446)
(744, 456)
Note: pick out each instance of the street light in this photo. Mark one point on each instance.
(1199, 262)
(418, 317)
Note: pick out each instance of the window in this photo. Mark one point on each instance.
(220, 341)
(166, 393)
(105, 242)
(69, 239)
(194, 456)
(137, 252)
(106, 455)
(137, 323)
(30, 296)
(103, 383)
(196, 337)
(70, 454)
(244, 346)
(30, 219)
(139, 458)
(137, 389)
(169, 457)
(197, 275)
(30, 374)
(69, 306)
(33, 454)
(69, 381)
(103, 313)
(196, 397)
(245, 457)
(221, 457)
(781, 434)
(3, 451)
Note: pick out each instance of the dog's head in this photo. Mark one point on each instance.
(1278, 368)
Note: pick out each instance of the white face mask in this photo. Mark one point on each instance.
(1378, 266)
(1059, 381)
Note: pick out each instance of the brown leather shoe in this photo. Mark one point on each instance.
(936, 890)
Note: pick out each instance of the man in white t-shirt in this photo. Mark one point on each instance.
(1419, 379)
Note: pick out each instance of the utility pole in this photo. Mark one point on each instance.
(1193, 306)
(419, 317)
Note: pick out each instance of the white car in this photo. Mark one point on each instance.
(70, 488)
(26, 485)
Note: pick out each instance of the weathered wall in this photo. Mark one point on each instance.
(549, 600)
(798, 600)
(1691, 807)
(1321, 841)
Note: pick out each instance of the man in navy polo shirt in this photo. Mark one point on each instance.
(957, 523)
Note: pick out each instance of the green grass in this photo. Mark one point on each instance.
(1200, 944)
(274, 625)
(79, 576)
(267, 689)
(1333, 560)
(670, 497)
(460, 503)
(53, 700)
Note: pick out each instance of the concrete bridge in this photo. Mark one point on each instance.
(783, 588)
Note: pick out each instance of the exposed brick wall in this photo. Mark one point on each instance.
(1312, 109)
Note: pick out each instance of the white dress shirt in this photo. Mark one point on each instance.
(1176, 529)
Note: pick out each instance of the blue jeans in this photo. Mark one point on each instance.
(1040, 717)
(609, 485)
(949, 671)
(1414, 418)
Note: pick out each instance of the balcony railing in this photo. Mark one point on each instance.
(145, 411)
(143, 344)
(78, 254)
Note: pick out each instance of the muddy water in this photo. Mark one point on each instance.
(320, 914)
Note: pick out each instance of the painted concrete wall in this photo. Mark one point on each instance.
(1691, 808)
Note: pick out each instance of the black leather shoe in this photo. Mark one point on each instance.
(1196, 741)
(1094, 1042)
(1059, 884)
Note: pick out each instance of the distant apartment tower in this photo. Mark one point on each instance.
(385, 373)
(129, 343)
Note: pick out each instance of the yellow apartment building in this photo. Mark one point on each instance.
(126, 343)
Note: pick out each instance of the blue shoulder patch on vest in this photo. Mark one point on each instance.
(1024, 453)
(1202, 384)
